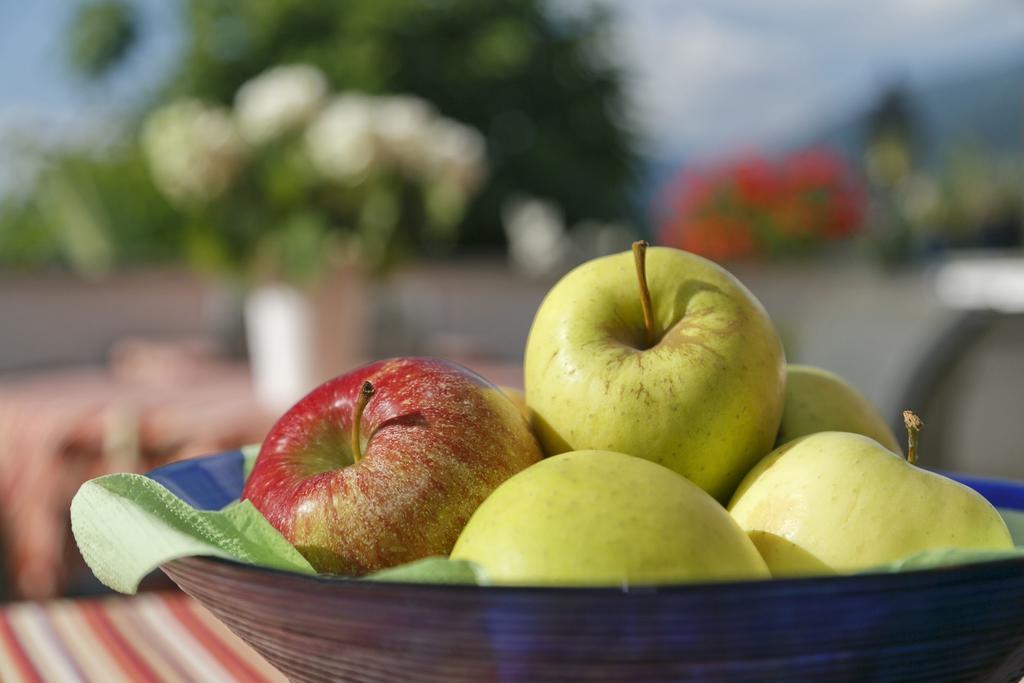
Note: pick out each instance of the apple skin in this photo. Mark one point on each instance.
(821, 401)
(437, 439)
(704, 401)
(598, 518)
(837, 502)
(518, 398)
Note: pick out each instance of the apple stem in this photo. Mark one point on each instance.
(365, 392)
(914, 424)
(640, 259)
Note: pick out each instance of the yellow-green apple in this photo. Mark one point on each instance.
(604, 518)
(821, 401)
(385, 464)
(660, 354)
(840, 502)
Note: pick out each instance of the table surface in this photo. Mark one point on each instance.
(163, 636)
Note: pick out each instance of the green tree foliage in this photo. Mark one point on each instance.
(100, 36)
(89, 211)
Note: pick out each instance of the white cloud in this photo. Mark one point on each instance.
(703, 82)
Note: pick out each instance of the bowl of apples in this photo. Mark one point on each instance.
(668, 501)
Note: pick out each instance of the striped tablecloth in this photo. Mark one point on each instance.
(151, 637)
(61, 428)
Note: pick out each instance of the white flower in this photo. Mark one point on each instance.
(357, 133)
(456, 154)
(193, 149)
(403, 125)
(341, 140)
(278, 100)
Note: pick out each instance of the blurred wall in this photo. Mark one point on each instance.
(49, 319)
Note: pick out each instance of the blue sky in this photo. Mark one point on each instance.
(706, 76)
(36, 89)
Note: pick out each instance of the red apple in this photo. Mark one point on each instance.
(385, 464)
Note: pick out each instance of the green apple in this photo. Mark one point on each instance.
(604, 518)
(821, 401)
(685, 369)
(840, 502)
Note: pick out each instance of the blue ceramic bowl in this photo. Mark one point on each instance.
(948, 624)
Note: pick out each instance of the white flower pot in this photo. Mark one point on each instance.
(298, 339)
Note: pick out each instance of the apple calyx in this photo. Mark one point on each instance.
(914, 424)
(640, 259)
(365, 392)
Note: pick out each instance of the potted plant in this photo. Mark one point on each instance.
(296, 194)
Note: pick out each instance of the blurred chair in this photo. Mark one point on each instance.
(968, 385)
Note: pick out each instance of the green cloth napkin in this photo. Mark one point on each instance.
(127, 525)
(434, 570)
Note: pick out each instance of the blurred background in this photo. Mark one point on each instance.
(209, 206)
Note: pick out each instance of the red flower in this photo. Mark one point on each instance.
(756, 181)
(755, 206)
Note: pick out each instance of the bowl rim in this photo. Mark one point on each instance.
(798, 584)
